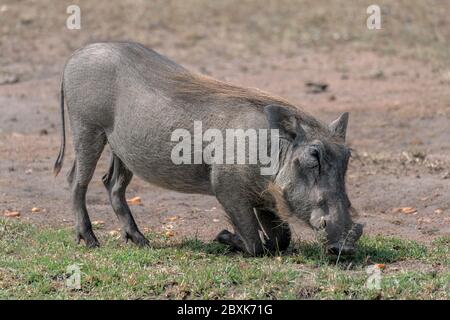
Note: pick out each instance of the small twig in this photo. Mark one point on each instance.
(342, 247)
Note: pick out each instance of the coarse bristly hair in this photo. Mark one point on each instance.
(281, 206)
(198, 89)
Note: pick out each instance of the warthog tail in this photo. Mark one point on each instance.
(60, 159)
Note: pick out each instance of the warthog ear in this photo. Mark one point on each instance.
(338, 127)
(285, 121)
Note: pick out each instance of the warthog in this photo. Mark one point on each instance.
(133, 99)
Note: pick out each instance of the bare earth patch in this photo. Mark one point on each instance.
(397, 130)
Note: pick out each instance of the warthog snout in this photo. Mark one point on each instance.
(336, 249)
(347, 245)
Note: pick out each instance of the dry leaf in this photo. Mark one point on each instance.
(170, 233)
(380, 266)
(114, 233)
(409, 210)
(36, 210)
(11, 214)
(405, 210)
(134, 201)
(173, 218)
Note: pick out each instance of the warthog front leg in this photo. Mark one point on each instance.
(230, 239)
(277, 232)
(248, 235)
(116, 182)
(273, 232)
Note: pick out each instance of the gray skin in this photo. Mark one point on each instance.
(132, 98)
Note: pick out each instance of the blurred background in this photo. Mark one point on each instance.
(34, 33)
(320, 55)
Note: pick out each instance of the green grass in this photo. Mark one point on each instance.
(34, 261)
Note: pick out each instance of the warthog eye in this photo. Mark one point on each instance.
(314, 161)
(314, 152)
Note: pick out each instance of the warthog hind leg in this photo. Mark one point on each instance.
(116, 182)
(88, 144)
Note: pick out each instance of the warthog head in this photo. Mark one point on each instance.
(311, 177)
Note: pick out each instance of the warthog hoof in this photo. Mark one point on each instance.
(89, 239)
(137, 238)
(230, 239)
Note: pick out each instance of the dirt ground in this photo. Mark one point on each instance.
(399, 116)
